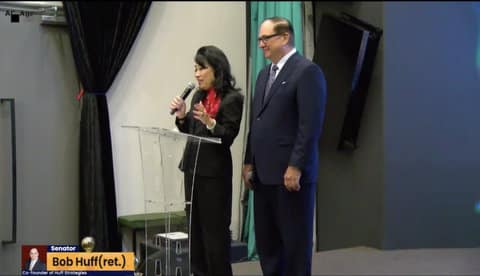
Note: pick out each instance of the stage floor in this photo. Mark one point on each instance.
(370, 261)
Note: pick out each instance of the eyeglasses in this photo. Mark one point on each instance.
(265, 38)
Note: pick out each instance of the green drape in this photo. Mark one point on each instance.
(258, 12)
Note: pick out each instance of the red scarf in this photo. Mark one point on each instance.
(211, 103)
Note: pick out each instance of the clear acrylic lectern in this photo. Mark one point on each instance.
(166, 249)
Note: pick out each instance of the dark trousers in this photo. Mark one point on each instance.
(210, 224)
(284, 228)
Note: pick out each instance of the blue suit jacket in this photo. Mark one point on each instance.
(286, 127)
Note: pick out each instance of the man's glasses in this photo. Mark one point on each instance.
(265, 38)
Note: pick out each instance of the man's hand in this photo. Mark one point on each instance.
(247, 174)
(291, 179)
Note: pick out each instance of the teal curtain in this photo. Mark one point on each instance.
(258, 12)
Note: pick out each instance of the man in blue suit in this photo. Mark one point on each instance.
(34, 263)
(281, 161)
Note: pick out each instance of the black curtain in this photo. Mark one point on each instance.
(101, 34)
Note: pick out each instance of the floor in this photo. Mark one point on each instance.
(369, 261)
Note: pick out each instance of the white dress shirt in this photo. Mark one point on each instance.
(32, 264)
(283, 60)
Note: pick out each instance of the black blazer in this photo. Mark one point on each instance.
(213, 159)
(39, 266)
(286, 127)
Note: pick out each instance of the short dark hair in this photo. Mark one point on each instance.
(282, 25)
(213, 56)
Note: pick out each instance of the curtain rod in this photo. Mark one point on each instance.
(31, 6)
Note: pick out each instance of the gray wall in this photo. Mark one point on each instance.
(413, 181)
(349, 196)
(432, 156)
(37, 69)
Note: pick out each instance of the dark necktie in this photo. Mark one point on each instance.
(271, 79)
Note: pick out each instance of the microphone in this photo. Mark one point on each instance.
(184, 95)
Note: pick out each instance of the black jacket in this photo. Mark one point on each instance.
(213, 159)
(39, 266)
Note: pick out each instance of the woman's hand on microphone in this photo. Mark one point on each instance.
(179, 104)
